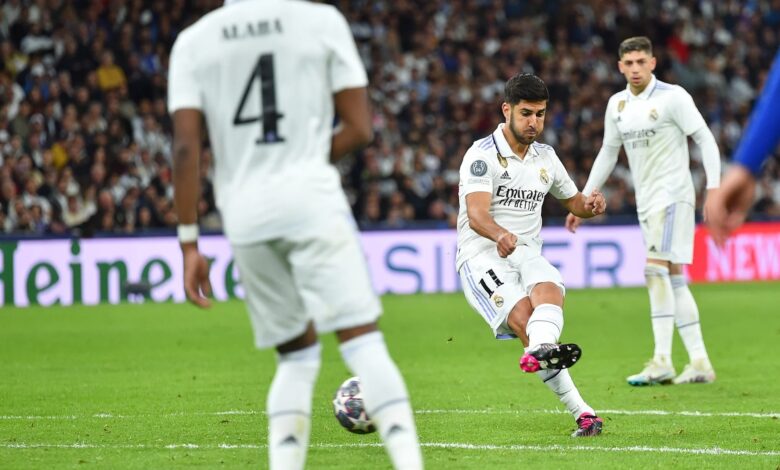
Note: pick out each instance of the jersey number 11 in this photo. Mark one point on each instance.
(264, 72)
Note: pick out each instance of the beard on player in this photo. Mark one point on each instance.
(526, 137)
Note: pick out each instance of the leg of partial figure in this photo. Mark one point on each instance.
(386, 398)
(289, 407)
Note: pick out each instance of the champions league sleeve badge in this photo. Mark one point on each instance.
(479, 168)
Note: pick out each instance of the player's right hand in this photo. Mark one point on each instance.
(572, 222)
(196, 276)
(506, 243)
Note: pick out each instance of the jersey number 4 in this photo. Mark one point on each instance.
(264, 74)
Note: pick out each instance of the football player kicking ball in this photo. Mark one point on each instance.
(652, 121)
(504, 178)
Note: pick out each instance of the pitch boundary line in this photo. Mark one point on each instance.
(696, 414)
(685, 413)
(716, 451)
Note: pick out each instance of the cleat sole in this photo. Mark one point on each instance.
(562, 356)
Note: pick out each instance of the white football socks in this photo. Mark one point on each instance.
(545, 325)
(659, 286)
(560, 382)
(386, 398)
(686, 317)
(289, 407)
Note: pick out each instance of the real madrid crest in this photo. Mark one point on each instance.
(498, 300)
(544, 176)
(502, 160)
(621, 105)
(653, 115)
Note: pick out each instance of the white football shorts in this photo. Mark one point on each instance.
(320, 276)
(493, 285)
(668, 234)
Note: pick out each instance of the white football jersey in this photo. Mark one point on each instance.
(653, 127)
(264, 73)
(518, 186)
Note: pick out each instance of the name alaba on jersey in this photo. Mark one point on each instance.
(518, 186)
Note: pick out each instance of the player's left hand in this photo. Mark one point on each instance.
(196, 276)
(595, 203)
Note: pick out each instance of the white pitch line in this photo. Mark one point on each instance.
(12, 417)
(698, 414)
(694, 414)
(716, 451)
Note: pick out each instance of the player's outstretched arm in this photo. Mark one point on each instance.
(480, 220)
(730, 205)
(354, 113)
(186, 183)
(585, 206)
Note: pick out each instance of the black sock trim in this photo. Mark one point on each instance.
(680, 327)
(554, 376)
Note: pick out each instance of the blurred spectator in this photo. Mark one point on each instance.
(110, 76)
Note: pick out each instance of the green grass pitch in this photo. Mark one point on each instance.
(167, 386)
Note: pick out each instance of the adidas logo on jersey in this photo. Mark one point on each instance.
(506, 176)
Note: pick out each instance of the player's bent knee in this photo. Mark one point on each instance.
(519, 315)
(547, 293)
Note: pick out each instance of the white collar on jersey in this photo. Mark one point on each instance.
(503, 146)
(649, 89)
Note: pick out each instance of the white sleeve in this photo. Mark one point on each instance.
(607, 157)
(345, 69)
(183, 89)
(476, 173)
(685, 113)
(710, 155)
(563, 186)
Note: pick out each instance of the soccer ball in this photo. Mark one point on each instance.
(349, 408)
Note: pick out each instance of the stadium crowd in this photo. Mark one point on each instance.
(85, 135)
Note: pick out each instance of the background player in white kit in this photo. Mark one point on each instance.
(503, 181)
(652, 121)
(266, 76)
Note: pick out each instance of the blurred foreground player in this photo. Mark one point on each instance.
(266, 76)
(732, 203)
